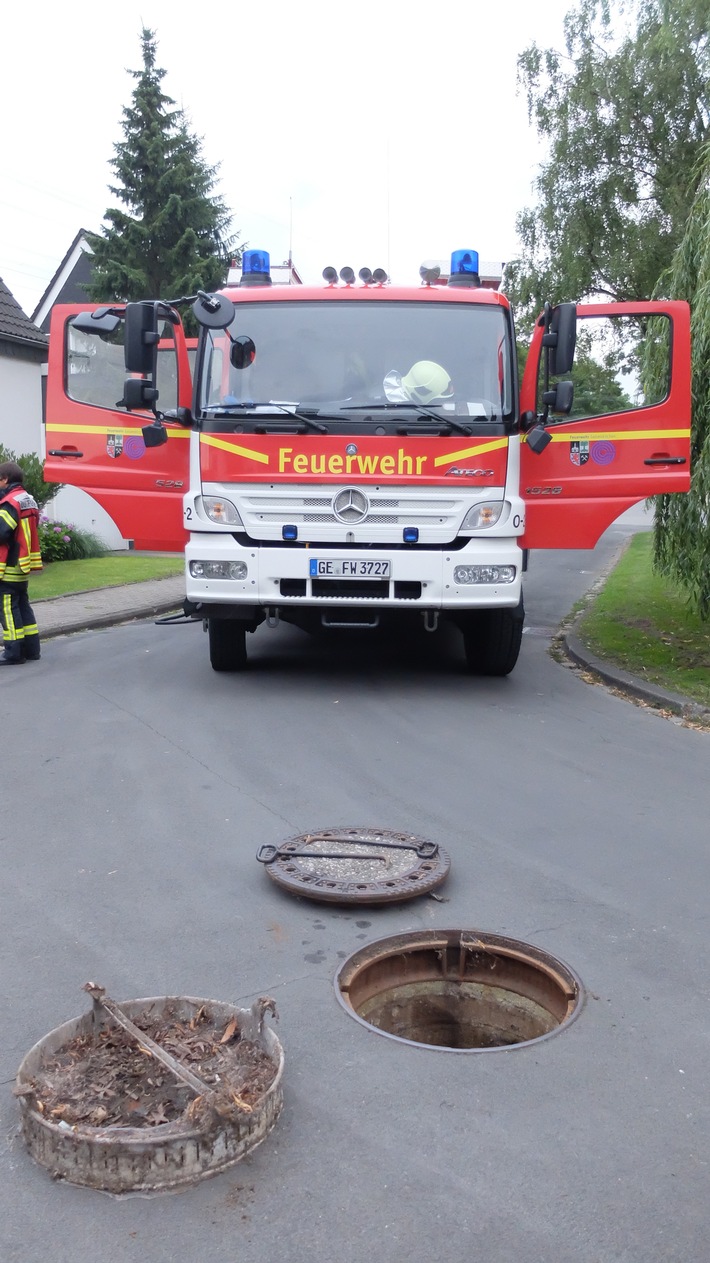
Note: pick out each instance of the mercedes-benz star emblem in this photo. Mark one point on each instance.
(351, 505)
(351, 450)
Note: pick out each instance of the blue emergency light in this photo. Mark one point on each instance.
(464, 268)
(256, 268)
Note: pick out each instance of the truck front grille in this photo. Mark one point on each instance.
(274, 507)
(365, 589)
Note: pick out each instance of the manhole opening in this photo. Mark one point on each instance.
(459, 990)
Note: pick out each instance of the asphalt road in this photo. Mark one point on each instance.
(137, 786)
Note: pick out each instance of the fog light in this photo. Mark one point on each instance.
(484, 574)
(289, 532)
(219, 569)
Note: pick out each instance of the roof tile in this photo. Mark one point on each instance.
(14, 324)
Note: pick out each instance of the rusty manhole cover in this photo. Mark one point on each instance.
(459, 990)
(354, 865)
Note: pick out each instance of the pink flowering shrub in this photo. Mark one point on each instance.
(61, 541)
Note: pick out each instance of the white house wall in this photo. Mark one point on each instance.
(20, 405)
(75, 506)
(21, 431)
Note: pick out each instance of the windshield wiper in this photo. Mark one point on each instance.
(306, 415)
(411, 407)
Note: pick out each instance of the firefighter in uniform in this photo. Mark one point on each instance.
(19, 556)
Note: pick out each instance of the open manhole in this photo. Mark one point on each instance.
(459, 990)
(152, 1094)
(353, 865)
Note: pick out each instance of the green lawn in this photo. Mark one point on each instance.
(62, 577)
(642, 623)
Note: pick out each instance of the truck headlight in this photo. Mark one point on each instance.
(219, 569)
(487, 513)
(484, 574)
(221, 511)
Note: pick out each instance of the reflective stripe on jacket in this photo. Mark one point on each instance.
(20, 554)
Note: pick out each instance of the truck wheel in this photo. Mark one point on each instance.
(228, 645)
(492, 640)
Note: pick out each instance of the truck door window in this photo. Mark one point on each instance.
(622, 363)
(95, 371)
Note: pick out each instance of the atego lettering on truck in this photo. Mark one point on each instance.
(343, 454)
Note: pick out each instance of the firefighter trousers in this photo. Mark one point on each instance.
(20, 636)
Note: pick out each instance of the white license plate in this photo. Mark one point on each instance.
(345, 568)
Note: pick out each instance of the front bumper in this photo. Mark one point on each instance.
(419, 577)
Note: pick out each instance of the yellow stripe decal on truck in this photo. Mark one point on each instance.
(211, 441)
(109, 428)
(477, 450)
(616, 435)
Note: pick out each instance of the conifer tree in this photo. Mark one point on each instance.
(172, 237)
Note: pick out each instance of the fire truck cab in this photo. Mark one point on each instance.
(342, 454)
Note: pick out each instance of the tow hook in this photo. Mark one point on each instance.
(272, 617)
(431, 620)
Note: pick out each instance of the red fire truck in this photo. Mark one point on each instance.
(341, 455)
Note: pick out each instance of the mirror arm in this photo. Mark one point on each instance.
(183, 416)
(548, 339)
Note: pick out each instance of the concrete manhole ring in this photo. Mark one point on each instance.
(459, 990)
(123, 1159)
(356, 865)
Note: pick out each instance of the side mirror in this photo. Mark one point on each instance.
(242, 352)
(562, 337)
(537, 436)
(213, 311)
(139, 394)
(564, 398)
(141, 338)
(99, 321)
(538, 439)
(560, 398)
(155, 434)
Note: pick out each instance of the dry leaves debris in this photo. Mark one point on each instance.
(108, 1080)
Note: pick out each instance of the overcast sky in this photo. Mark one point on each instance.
(374, 134)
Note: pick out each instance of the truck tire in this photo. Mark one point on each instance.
(492, 640)
(228, 645)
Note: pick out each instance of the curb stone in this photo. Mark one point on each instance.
(652, 694)
(93, 622)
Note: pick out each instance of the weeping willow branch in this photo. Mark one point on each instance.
(682, 522)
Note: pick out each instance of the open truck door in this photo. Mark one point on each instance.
(625, 436)
(93, 442)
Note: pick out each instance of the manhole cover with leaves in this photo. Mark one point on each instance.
(356, 865)
(152, 1094)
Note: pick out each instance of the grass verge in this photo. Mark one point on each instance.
(63, 577)
(641, 622)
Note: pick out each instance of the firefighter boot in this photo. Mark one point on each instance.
(12, 656)
(30, 648)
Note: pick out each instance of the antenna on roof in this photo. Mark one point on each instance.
(389, 269)
(290, 233)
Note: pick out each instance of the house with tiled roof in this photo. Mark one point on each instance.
(23, 351)
(68, 285)
(23, 357)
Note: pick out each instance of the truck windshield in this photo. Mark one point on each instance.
(336, 360)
